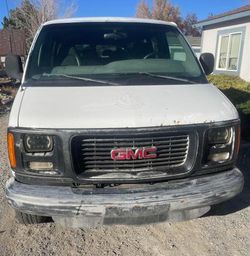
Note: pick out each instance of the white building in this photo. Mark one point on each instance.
(227, 36)
(195, 42)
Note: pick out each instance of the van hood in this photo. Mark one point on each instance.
(123, 106)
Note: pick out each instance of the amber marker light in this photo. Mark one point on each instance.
(238, 136)
(11, 150)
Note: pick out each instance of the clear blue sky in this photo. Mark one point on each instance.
(128, 7)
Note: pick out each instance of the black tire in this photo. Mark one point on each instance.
(28, 219)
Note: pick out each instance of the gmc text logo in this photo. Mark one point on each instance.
(121, 154)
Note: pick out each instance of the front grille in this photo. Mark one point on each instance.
(92, 154)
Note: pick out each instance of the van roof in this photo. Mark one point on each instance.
(108, 19)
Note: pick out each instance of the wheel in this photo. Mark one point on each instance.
(28, 219)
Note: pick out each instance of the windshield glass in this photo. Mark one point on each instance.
(113, 53)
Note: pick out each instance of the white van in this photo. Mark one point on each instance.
(116, 123)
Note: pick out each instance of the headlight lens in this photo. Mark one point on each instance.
(220, 135)
(38, 143)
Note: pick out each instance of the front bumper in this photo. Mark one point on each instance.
(173, 200)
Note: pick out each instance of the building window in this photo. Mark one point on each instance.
(229, 51)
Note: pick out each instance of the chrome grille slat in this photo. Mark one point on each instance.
(103, 161)
(127, 168)
(93, 155)
(104, 150)
(112, 139)
(182, 149)
(134, 145)
(146, 143)
(108, 166)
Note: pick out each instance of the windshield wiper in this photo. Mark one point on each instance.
(80, 78)
(167, 77)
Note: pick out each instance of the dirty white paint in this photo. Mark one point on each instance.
(120, 106)
(108, 19)
(13, 118)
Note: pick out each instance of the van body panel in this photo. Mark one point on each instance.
(123, 106)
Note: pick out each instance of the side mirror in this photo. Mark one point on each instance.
(14, 67)
(207, 62)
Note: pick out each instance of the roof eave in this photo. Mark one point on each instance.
(222, 19)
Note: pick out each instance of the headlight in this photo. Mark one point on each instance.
(220, 144)
(220, 135)
(38, 143)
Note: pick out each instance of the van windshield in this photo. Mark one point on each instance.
(113, 53)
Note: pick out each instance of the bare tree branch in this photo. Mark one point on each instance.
(161, 10)
(165, 10)
(143, 10)
(32, 13)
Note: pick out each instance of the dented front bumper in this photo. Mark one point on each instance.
(139, 204)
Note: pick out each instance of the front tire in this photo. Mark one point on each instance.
(29, 219)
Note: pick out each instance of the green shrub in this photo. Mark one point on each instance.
(235, 88)
(227, 81)
(245, 107)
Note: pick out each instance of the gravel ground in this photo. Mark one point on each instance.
(224, 231)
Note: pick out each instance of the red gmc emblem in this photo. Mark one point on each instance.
(121, 154)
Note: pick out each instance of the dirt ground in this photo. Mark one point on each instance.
(224, 231)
